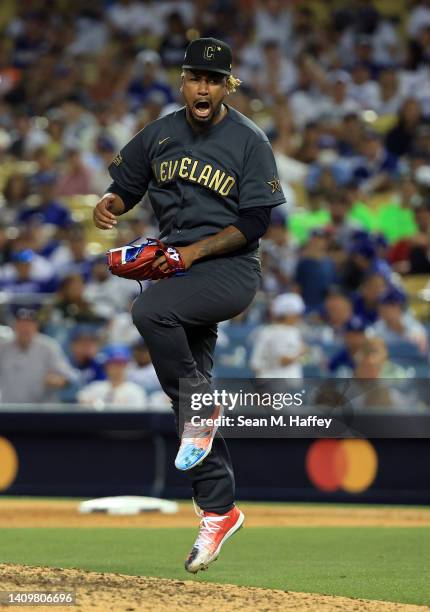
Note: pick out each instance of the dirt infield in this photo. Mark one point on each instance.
(47, 513)
(117, 593)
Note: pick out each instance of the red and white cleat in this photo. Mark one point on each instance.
(215, 529)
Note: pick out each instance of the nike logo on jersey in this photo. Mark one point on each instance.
(160, 142)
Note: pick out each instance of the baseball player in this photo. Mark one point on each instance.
(212, 180)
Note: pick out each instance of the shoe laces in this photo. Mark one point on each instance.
(208, 526)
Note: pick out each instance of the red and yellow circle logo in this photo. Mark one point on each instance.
(8, 464)
(348, 465)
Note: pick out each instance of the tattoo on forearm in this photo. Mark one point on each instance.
(229, 239)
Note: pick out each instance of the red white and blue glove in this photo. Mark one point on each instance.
(135, 261)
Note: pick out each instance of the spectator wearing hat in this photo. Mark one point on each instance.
(342, 363)
(33, 367)
(116, 391)
(27, 273)
(396, 323)
(48, 210)
(84, 348)
(341, 228)
(149, 81)
(362, 261)
(366, 300)
(279, 345)
(376, 167)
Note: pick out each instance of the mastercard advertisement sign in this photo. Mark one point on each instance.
(342, 465)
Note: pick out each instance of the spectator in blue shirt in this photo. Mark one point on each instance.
(365, 301)
(27, 273)
(377, 167)
(49, 209)
(316, 271)
(343, 362)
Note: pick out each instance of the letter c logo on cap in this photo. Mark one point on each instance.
(209, 52)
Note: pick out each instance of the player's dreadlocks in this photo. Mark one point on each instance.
(233, 83)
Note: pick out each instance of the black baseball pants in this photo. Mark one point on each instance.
(177, 317)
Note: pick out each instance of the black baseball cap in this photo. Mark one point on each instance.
(208, 54)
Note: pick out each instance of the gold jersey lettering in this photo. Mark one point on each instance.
(192, 176)
(183, 172)
(172, 168)
(205, 175)
(216, 180)
(226, 188)
(163, 168)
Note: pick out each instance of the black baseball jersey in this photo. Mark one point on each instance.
(198, 182)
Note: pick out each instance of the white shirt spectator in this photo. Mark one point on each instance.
(365, 94)
(275, 25)
(419, 18)
(390, 106)
(23, 372)
(413, 332)
(134, 17)
(272, 343)
(113, 294)
(99, 394)
(304, 107)
(122, 331)
(145, 377)
(333, 112)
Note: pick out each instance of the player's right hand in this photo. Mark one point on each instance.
(103, 217)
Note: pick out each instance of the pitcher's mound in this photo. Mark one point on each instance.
(118, 593)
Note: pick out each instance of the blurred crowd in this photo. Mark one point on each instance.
(342, 89)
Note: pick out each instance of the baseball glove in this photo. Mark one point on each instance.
(135, 260)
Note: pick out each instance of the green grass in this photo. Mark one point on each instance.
(369, 562)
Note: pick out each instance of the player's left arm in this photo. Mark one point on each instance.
(250, 226)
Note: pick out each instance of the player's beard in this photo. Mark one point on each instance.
(202, 121)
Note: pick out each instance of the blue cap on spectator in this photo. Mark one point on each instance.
(355, 324)
(365, 248)
(24, 256)
(381, 241)
(393, 296)
(116, 352)
(84, 331)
